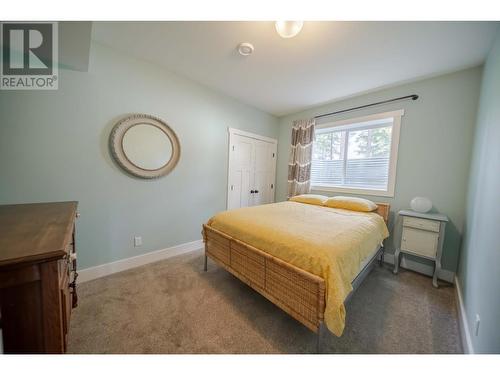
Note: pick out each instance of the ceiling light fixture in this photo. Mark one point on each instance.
(245, 49)
(288, 29)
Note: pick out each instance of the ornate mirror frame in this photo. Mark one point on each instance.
(116, 145)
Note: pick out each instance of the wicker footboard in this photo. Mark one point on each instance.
(297, 292)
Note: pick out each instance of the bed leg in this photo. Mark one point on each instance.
(381, 260)
(205, 264)
(318, 338)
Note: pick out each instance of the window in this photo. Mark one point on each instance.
(357, 155)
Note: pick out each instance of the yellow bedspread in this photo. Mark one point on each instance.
(327, 242)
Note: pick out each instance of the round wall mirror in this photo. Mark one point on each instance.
(144, 146)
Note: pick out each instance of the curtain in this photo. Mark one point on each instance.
(299, 163)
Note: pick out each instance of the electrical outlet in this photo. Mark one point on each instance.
(476, 325)
(137, 241)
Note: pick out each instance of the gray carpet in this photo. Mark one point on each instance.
(174, 307)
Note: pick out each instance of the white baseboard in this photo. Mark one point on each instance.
(462, 321)
(139, 260)
(426, 269)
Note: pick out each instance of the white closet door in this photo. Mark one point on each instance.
(263, 186)
(252, 169)
(241, 172)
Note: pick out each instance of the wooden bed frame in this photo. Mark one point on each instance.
(299, 293)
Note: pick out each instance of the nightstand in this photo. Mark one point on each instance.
(422, 235)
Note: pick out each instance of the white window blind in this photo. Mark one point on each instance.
(356, 155)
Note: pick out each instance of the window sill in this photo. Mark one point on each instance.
(338, 189)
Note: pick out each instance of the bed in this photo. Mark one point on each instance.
(306, 259)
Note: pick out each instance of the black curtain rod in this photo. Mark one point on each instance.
(412, 97)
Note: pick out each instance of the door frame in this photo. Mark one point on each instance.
(232, 132)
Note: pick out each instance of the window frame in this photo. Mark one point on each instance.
(393, 157)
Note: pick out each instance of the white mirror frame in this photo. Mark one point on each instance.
(116, 145)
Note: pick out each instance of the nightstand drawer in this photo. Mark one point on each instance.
(420, 242)
(423, 224)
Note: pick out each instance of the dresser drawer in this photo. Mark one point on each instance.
(420, 242)
(424, 224)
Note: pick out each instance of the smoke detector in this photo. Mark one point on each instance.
(245, 49)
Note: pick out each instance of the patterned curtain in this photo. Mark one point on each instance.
(299, 164)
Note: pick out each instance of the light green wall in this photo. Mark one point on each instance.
(434, 148)
(53, 147)
(479, 271)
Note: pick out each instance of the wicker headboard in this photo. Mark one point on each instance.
(383, 210)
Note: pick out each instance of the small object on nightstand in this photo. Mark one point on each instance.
(421, 204)
(422, 235)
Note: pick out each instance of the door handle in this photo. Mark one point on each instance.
(256, 191)
(252, 191)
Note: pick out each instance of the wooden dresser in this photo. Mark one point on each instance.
(37, 276)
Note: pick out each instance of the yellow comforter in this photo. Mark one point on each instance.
(327, 242)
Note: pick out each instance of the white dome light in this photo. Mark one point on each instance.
(421, 204)
(245, 49)
(288, 29)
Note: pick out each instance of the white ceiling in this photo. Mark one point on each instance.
(325, 62)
